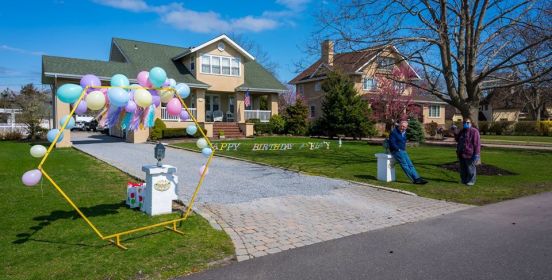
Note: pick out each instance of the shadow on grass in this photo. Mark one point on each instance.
(45, 220)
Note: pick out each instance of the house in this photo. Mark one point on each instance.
(363, 68)
(219, 73)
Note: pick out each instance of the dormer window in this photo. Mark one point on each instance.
(386, 63)
(220, 65)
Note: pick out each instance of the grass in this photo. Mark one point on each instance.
(43, 238)
(355, 161)
(524, 140)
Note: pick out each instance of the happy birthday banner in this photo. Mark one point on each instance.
(273, 147)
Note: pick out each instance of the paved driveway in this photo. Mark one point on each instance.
(267, 210)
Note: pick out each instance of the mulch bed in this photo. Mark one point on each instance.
(483, 169)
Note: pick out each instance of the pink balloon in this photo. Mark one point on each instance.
(143, 79)
(174, 107)
(202, 169)
(32, 177)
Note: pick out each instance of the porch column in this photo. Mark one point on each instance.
(200, 104)
(240, 107)
(273, 105)
(61, 110)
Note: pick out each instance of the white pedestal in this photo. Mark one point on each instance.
(386, 167)
(160, 191)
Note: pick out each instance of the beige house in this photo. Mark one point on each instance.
(363, 68)
(219, 72)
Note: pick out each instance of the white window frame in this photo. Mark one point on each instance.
(216, 69)
(300, 89)
(317, 86)
(374, 83)
(434, 111)
(222, 66)
(232, 61)
(202, 58)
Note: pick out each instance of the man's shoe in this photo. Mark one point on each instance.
(420, 181)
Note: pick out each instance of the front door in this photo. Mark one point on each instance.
(212, 104)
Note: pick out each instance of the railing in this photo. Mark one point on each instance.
(262, 115)
(166, 117)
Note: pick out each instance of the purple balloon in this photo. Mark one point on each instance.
(184, 115)
(32, 177)
(166, 83)
(90, 80)
(156, 100)
(130, 107)
(81, 109)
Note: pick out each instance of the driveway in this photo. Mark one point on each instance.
(264, 209)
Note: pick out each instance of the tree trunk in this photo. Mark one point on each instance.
(472, 113)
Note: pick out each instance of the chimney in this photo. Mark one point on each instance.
(328, 52)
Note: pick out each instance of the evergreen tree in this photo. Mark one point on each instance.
(296, 118)
(415, 131)
(343, 110)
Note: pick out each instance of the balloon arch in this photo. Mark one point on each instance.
(131, 106)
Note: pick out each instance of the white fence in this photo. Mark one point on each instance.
(166, 117)
(262, 115)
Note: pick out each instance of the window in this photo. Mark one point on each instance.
(317, 86)
(220, 65)
(300, 89)
(369, 84)
(226, 66)
(312, 111)
(386, 63)
(231, 106)
(215, 66)
(235, 66)
(434, 111)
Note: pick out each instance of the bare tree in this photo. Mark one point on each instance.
(34, 108)
(261, 56)
(454, 42)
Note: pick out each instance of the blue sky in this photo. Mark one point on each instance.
(84, 28)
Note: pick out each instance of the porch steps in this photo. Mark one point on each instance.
(231, 129)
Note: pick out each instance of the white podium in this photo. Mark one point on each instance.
(160, 190)
(386, 167)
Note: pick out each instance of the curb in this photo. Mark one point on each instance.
(301, 172)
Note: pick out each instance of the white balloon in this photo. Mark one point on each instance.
(38, 151)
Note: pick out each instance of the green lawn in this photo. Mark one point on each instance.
(355, 161)
(43, 238)
(525, 140)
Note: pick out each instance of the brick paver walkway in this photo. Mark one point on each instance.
(266, 210)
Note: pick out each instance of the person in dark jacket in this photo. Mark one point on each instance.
(468, 150)
(397, 147)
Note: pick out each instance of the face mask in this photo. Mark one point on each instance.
(467, 125)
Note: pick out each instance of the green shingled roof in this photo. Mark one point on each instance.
(143, 56)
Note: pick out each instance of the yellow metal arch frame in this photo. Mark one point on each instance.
(115, 238)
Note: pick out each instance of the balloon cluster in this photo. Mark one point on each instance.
(131, 106)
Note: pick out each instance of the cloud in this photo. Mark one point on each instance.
(179, 17)
(21, 51)
(128, 5)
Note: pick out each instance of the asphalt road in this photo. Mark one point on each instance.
(507, 240)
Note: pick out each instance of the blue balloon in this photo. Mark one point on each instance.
(52, 135)
(206, 151)
(118, 97)
(71, 123)
(183, 90)
(69, 93)
(119, 80)
(157, 76)
(191, 130)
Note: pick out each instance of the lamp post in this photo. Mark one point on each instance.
(159, 153)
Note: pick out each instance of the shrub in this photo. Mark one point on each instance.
(277, 124)
(315, 128)
(262, 128)
(526, 128)
(545, 128)
(415, 131)
(221, 133)
(484, 127)
(501, 128)
(296, 118)
(253, 121)
(431, 128)
(11, 135)
(157, 129)
(173, 132)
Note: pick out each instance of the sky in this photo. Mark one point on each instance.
(84, 28)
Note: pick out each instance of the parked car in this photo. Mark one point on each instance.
(81, 122)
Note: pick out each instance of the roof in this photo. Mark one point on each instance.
(221, 37)
(415, 98)
(347, 62)
(139, 55)
(257, 78)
